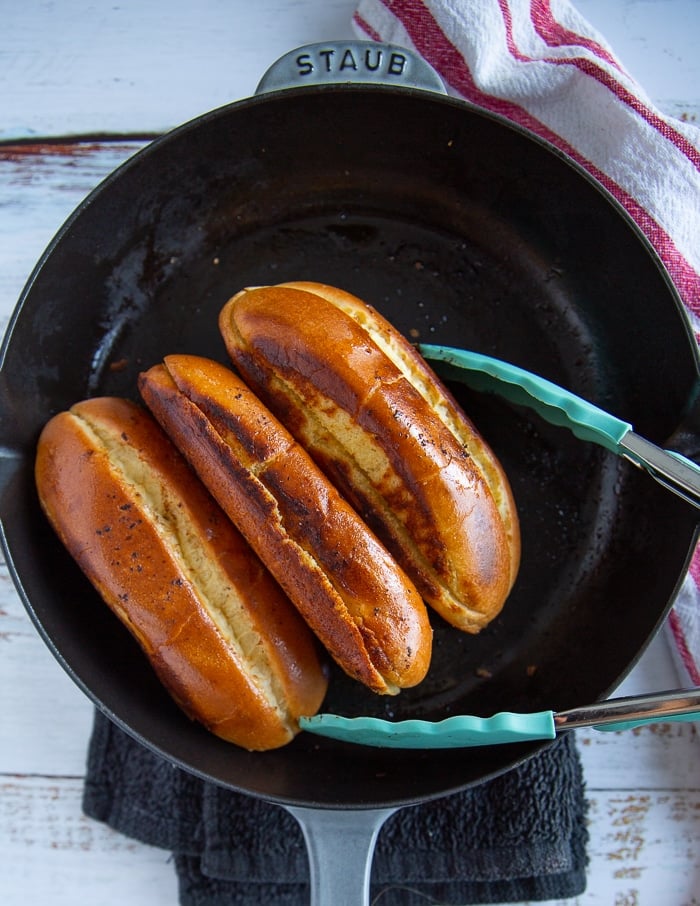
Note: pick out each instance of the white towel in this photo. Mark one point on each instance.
(543, 66)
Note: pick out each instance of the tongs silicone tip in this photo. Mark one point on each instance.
(466, 731)
(561, 407)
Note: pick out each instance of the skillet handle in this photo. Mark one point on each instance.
(340, 845)
(351, 62)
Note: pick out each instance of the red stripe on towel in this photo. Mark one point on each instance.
(605, 78)
(682, 645)
(364, 26)
(556, 35)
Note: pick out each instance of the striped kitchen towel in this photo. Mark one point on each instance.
(542, 65)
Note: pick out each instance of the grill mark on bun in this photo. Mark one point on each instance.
(387, 432)
(343, 581)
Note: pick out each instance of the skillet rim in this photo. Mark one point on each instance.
(152, 148)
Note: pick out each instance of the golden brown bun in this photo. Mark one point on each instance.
(221, 635)
(344, 583)
(378, 421)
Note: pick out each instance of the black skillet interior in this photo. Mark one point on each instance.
(461, 230)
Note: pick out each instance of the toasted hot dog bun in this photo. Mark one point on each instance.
(345, 584)
(387, 432)
(221, 635)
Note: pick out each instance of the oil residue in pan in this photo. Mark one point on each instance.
(499, 297)
(485, 290)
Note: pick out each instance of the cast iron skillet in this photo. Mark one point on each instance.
(462, 230)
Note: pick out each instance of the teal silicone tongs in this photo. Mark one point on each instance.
(589, 423)
(561, 407)
(466, 731)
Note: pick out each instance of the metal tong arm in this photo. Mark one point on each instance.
(670, 469)
(628, 712)
(561, 407)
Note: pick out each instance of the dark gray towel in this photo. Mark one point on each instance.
(519, 837)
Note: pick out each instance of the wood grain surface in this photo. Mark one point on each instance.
(82, 87)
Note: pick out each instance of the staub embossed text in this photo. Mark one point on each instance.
(345, 61)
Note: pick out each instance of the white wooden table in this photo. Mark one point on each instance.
(118, 74)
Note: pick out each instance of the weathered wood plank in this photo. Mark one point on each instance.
(40, 186)
(50, 853)
(140, 68)
(645, 850)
